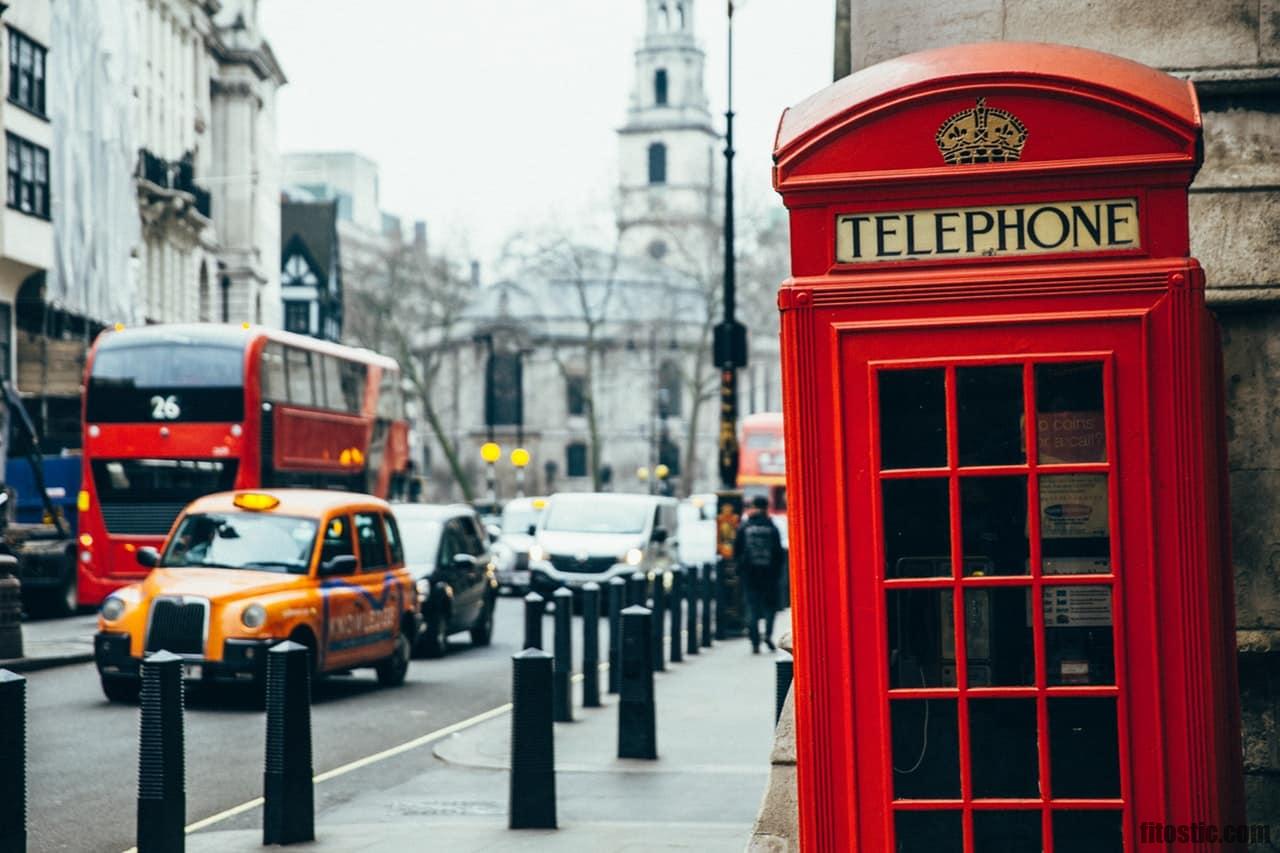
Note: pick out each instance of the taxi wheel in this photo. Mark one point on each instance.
(123, 689)
(392, 670)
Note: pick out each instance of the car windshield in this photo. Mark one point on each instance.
(518, 519)
(590, 514)
(421, 538)
(242, 540)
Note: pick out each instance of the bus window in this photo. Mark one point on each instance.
(299, 365)
(390, 404)
(165, 381)
(354, 378)
(274, 386)
(331, 379)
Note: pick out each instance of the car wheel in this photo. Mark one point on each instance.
(482, 631)
(121, 688)
(435, 642)
(393, 669)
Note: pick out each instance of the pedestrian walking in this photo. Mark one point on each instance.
(759, 549)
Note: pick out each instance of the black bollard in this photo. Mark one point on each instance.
(288, 810)
(691, 610)
(591, 645)
(784, 666)
(561, 697)
(13, 762)
(707, 599)
(722, 598)
(674, 602)
(532, 803)
(637, 590)
(658, 623)
(162, 790)
(533, 608)
(617, 600)
(637, 724)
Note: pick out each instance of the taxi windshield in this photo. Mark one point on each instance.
(242, 540)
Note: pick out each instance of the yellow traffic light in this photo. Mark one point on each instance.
(519, 457)
(490, 452)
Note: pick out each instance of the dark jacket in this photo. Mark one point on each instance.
(758, 551)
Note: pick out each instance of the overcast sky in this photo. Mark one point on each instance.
(489, 116)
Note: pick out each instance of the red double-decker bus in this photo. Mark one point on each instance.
(761, 461)
(175, 412)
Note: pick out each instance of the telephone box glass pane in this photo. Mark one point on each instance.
(993, 520)
(1084, 753)
(989, 415)
(1078, 638)
(1075, 525)
(1007, 832)
(1087, 832)
(998, 638)
(1070, 422)
(917, 528)
(922, 648)
(926, 752)
(1002, 746)
(913, 418)
(928, 832)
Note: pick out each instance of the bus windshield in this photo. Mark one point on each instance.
(166, 381)
(242, 540)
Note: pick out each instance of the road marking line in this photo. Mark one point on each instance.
(355, 765)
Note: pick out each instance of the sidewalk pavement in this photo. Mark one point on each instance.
(715, 733)
(54, 642)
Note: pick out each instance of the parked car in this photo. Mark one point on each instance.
(447, 552)
(242, 571)
(591, 536)
(511, 551)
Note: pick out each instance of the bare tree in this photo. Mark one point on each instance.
(406, 303)
(589, 276)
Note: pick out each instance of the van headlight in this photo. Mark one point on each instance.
(633, 557)
(536, 553)
(253, 616)
(113, 608)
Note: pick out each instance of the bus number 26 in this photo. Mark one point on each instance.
(165, 408)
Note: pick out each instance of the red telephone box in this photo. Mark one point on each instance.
(1013, 607)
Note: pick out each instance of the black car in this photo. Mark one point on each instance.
(447, 551)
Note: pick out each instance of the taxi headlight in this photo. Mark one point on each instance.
(424, 587)
(113, 608)
(536, 553)
(253, 616)
(634, 557)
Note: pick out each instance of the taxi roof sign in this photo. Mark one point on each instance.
(256, 501)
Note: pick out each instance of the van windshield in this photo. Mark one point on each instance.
(589, 514)
(242, 540)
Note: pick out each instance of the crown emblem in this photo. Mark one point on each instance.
(981, 135)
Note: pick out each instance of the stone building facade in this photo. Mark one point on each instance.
(1230, 49)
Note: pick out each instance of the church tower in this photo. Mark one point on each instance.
(667, 148)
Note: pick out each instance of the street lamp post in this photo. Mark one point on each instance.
(520, 458)
(490, 452)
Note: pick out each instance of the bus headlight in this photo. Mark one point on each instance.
(634, 557)
(113, 608)
(253, 616)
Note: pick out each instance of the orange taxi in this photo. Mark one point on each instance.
(241, 571)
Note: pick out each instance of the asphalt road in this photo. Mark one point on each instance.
(82, 751)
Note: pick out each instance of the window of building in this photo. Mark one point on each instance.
(575, 459)
(297, 273)
(297, 316)
(576, 391)
(6, 342)
(28, 176)
(660, 87)
(669, 390)
(657, 163)
(26, 72)
(504, 392)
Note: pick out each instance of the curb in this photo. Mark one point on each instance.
(34, 664)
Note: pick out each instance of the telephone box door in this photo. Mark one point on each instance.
(998, 536)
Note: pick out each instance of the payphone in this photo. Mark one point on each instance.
(1011, 598)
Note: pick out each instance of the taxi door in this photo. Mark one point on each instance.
(379, 594)
(339, 596)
